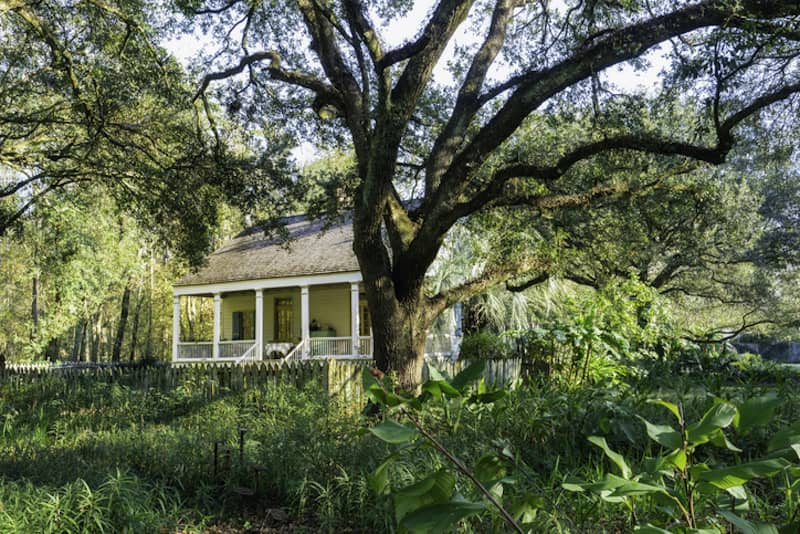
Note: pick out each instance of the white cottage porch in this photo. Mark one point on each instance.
(317, 316)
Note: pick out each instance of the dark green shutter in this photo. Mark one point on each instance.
(236, 330)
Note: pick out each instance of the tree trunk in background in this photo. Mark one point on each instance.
(123, 319)
(79, 350)
(52, 350)
(35, 306)
(76, 343)
(135, 326)
(95, 337)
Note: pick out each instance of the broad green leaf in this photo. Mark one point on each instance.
(490, 396)
(490, 467)
(437, 488)
(669, 406)
(721, 440)
(470, 374)
(677, 459)
(393, 432)
(525, 507)
(747, 527)
(440, 517)
(664, 435)
(756, 411)
(575, 484)
(785, 438)
(378, 480)
(717, 417)
(613, 456)
(650, 529)
(737, 475)
(434, 375)
(627, 488)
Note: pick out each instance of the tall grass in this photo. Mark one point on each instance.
(112, 458)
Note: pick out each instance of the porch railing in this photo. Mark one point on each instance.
(235, 349)
(297, 352)
(365, 346)
(195, 350)
(249, 356)
(330, 346)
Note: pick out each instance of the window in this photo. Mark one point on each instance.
(364, 323)
(243, 325)
(284, 317)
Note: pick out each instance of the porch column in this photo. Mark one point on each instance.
(217, 324)
(176, 325)
(304, 332)
(354, 317)
(259, 324)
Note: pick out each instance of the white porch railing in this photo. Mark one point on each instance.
(250, 356)
(195, 350)
(297, 352)
(322, 347)
(365, 346)
(235, 349)
(242, 351)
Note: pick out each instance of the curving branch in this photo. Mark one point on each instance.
(275, 71)
(490, 277)
(467, 102)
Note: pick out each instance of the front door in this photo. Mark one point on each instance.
(284, 317)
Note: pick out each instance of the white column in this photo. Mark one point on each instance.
(176, 325)
(259, 324)
(217, 324)
(354, 317)
(304, 333)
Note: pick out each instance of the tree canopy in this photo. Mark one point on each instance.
(458, 148)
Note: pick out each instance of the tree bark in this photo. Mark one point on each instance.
(35, 306)
(135, 327)
(95, 337)
(123, 319)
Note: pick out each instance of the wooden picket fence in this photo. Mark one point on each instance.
(340, 379)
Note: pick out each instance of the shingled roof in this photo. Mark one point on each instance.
(252, 255)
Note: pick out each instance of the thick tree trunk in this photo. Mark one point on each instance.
(123, 319)
(399, 344)
(400, 323)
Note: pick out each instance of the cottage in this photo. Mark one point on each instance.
(274, 299)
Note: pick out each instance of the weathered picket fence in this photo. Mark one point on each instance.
(341, 380)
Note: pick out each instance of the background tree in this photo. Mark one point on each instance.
(528, 61)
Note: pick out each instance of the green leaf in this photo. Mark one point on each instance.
(378, 480)
(747, 527)
(437, 488)
(721, 440)
(756, 411)
(393, 432)
(785, 438)
(440, 517)
(490, 467)
(717, 417)
(728, 477)
(471, 373)
(650, 529)
(664, 435)
(677, 459)
(525, 507)
(669, 406)
(613, 456)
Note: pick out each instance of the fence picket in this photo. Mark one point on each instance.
(340, 379)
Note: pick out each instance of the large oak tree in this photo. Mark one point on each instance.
(452, 147)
